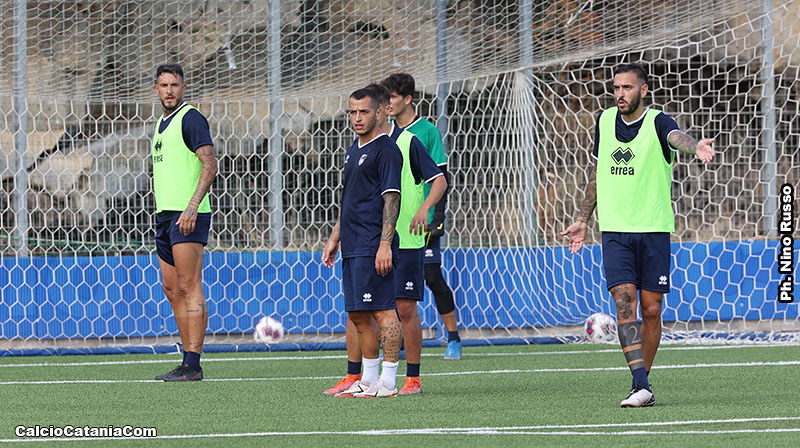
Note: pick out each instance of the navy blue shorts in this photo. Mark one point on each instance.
(642, 259)
(409, 276)
(168, 233)
(364, 289)
(433, 251)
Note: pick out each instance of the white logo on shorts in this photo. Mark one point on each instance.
(662, 280)
(367, 297)
(429, 253)
(409, 286)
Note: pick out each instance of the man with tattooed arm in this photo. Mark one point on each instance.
(370, 245)
(630, 186)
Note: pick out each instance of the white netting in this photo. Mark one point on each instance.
(518, 94)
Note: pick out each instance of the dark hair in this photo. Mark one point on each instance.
(633, 68)
(175, 69)
(401, 84)
(360, 94)
(381, 90)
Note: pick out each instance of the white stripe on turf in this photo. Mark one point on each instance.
(315, 358)
(526, 430)
(475, 372)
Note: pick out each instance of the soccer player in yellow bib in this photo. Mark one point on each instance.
(402, 89)
(184, 167)
(630, 186)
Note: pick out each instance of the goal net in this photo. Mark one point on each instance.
(515, 86)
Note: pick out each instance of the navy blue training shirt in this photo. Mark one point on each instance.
(423, 168)
(625, 132)
(369, 172)
(194, 128)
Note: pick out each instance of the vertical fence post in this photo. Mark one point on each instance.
(275, 138)
(768, 110)
(20, 128)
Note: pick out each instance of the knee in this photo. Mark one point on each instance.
(407, 310)
(651, 311)
(186, 286)
(170, 292)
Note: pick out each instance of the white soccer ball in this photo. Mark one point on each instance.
(268, 330)
(601, 328)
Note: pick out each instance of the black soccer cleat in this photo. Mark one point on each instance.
(184, 373)
(172, 372)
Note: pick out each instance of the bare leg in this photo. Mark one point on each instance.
(651, 325)
(367, 333)
(351, 338)
(189, 271)
(450, 321)
(412, 329)
(390, 334)
(169, 283)
(630, 333)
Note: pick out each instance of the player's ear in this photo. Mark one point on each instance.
(644, 90)
(407, 100)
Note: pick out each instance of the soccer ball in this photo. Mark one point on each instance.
(601, 328)
(268, 330)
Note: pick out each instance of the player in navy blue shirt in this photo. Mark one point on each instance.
(369, 243)
(409, 268)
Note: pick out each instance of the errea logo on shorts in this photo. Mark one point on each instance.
(429, 253)
(662, 280)
(409, 286)
(367, 297)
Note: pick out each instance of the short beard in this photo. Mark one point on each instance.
(170, 110)
(632, 107)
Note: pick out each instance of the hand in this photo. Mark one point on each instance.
(187, 220)
(383, 259)
(419, 223)
(704, 151)
(329, 253)
(576, 234)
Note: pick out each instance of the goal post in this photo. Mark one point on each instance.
(521, 82)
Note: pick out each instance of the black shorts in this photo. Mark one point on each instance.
(409, 276)
(642, 259)
(364, 289)
(433, 251)
(168, 234)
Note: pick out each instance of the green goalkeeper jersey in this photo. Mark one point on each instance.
(431, 138)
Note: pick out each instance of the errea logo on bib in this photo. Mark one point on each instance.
(622, 157)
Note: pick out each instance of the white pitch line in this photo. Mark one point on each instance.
(524, 430)
(474, 372)
(320, 357)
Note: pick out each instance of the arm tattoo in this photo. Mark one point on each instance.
(682, 141)
(209, 172)
(391, 208)
(590, 198)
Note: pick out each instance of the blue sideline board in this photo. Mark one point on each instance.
(102, 297)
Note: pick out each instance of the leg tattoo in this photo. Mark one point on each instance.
(630, 338)
(391, 336)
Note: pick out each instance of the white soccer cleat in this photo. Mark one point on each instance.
(638, 398)
(356, 388)
(378, 390)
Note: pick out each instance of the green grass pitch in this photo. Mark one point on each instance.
(511, 396)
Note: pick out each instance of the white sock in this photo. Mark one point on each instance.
(389, 374)
(370, 370)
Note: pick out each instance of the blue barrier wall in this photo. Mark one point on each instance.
(90, 297)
